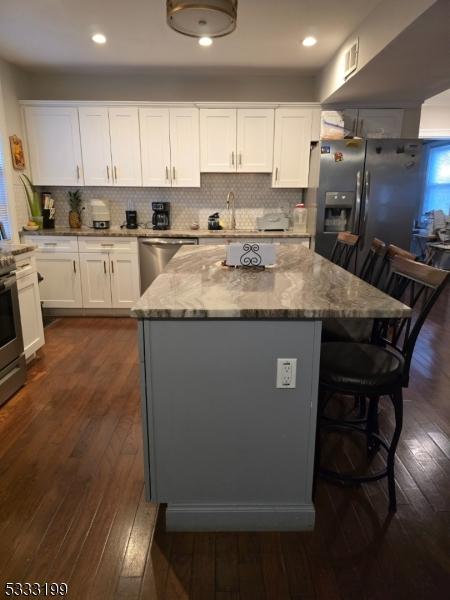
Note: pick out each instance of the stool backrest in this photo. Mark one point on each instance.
(344, 249)
(369, 270)
(381, 278)
(418, 286)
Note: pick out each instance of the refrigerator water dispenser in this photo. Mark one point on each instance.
(339, 211)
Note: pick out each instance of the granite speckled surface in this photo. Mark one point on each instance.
(13, 249)
(6, 260)
(302, 285)
(202, 233)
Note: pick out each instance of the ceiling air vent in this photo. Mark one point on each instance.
(351, 58)
(199, 18)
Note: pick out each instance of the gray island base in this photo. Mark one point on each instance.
(224, 447)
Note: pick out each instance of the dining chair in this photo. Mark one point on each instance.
(378, 369)
(344, 249)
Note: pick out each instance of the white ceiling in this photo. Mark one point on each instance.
(56, 34)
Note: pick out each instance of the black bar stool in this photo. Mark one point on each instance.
(379, 369)
(381, 277)
(344, 249)
(370, 267)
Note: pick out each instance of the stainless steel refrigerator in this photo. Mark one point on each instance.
(370, 187)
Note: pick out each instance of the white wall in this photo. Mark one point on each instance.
(175, 85)
(382, 25)
(13, 86)
(435, 117)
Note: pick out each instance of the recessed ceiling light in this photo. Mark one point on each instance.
(99, 38)
(309, 41)
(205, 41)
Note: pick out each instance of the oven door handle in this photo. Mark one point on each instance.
(7, 283)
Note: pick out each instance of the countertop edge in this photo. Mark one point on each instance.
(175, 233)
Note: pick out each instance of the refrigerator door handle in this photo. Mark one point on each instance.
(366, 203)
(357, 203)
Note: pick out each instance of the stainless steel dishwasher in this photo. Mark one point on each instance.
(155, 253)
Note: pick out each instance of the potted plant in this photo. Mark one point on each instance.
(33, 200)
(75, 209)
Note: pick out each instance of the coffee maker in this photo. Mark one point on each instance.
(131, 219)
(161, 215)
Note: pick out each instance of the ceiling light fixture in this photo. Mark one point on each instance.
(309, 41)
(99, 38)
(202, 18)
(205, 41)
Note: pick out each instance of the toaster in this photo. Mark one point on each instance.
(272, 222)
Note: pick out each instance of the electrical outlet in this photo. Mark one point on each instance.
(286, 372)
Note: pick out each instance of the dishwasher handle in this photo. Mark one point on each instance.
(168, 242)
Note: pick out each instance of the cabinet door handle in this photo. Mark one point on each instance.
(173, 173)
(112, 267)
(240, 159)
(115, 172)
(167, 173)
(78, 172)
(107, 172)
(276, 174)
(232, 159)
(104, 266)
(74, 267)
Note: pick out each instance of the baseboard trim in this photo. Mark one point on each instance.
(218, 517)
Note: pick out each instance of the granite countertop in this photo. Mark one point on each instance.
(302, 285)
(198, 233)
(13, 249)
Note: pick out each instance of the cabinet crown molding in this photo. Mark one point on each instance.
(162, 104)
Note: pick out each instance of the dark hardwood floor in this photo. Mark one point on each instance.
(72, 507)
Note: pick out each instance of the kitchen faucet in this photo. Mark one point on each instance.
(231, 198)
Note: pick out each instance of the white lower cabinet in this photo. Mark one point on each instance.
(110, 276)
(95, 280)
(109, 280)
(30, 307)
(87, 272)
(61, 287)
(125, 288)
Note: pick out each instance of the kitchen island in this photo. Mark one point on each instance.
(224, 447)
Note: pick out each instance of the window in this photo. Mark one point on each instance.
(437, 193)
(3, 195)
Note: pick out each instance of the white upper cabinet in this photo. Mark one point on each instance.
(54, 145)
(155, 147)
(291, 148)
(255, 140)
(185, 147)
(236, 140)
(95, 145)
(380, 123)
(125, 146)
(218, 140)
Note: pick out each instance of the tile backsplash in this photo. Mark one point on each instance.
(253, 192)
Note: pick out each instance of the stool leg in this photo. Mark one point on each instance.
(397, 401)
(372, 426)
(361, 407)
